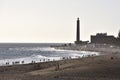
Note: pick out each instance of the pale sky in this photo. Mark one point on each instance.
(55, 20)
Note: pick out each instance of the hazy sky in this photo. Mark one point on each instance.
(55, 20)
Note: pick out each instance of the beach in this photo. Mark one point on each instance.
(103, 67)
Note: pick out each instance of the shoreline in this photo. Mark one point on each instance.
(103, 67)
(102, 48)
(67, 54)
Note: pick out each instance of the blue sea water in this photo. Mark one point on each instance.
(37, 52)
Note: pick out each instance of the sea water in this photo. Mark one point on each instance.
(24, 53)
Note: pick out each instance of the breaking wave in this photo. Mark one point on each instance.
(37, 54)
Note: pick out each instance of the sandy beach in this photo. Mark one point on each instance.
(103, 67)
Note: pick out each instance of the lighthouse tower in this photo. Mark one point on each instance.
(78, 33)
(78, 30)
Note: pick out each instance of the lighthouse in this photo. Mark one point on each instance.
(78, 30)
(78, 41)
(78, 33)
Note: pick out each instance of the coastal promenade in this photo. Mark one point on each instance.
(102, 48)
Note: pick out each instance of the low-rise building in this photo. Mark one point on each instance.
(103, 38)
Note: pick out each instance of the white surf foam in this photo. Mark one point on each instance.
(52, 55)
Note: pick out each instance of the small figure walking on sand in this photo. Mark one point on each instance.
(22, 62)
(57, 66)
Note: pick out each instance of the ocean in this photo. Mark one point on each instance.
(24, 53)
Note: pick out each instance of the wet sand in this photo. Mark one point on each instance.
(103, 67)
